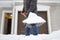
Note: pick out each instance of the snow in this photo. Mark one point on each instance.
(33, 18)
(53, 36)
(22, 37)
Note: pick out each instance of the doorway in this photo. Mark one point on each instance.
(7, 23)
(41, 30)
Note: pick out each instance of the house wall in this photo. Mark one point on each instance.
(0, 17)
(1, 9)
(55, 17)
(54, 14)
(38, 0)
(49, 0)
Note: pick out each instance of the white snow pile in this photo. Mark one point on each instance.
(22, 37)
(53, 36)
(33, 19)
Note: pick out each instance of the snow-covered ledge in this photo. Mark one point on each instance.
(39, 8)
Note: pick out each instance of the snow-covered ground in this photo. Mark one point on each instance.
(53, 36)
(22, 37)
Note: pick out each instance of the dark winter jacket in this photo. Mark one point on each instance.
(30, 6)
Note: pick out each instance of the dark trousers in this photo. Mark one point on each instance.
(35, 30)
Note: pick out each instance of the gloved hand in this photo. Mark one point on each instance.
(23, 14)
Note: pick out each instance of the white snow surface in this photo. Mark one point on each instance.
(33, 18)
(22, 37)
(53, 36)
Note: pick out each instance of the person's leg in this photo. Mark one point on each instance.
(27, 32)
(35, 30)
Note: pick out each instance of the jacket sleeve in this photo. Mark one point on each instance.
(33, 6)
(30, 6)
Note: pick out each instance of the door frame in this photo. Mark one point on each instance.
(40, 8)
(2, 20)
